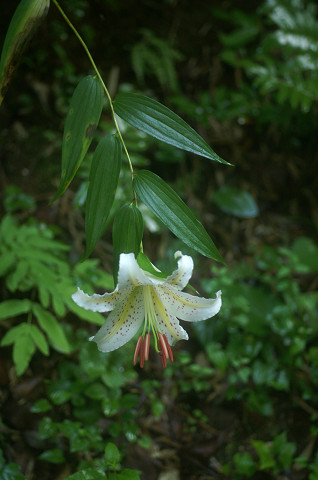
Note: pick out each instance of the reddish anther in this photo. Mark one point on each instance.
(146, 346)
(143, 345)
(163, 345)
(168, 347)
(163, 359)
(137, 349)
(142, 354)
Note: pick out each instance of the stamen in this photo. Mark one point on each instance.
(146, 346)
(142, 354)
(168, 347)
(138, 345)
(163, 345)
(163, 359)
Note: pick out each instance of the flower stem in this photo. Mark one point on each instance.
(102, 82)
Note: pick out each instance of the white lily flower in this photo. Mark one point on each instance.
(142, 297)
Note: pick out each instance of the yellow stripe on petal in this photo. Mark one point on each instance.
(167, 323)
(122, 323)
(189, 307)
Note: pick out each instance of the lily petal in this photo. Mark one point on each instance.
(168, 323)
(130, 274)
(122, 323)
(189, 307)
(180, 277)
(96, 302)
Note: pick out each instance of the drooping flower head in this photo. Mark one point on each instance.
(144, 298)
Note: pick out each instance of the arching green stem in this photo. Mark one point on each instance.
(102, 82)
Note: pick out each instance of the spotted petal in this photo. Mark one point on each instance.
(189, 307)
(168, 323)
(99, 303)
(122, 323)
(180, 277)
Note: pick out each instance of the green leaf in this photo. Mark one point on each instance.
(92, 317)
(103, 180)
(128, 474)
(24, 23)
(284, 450)
(41, 406)
(23, 349)
(23, 345)
(172, 211)
(306, 253)
(82, 119)
(7, 260)
(127, 233)
(9, 471)
(13, 308)
(52, 328)
(39, 339)
(55, 455)
(145, 264)
(264, 452)
(235, 201)
(112, 455)
(158, 121)
(14, 333)
(88, 474)
(15, 278)
(244, 464)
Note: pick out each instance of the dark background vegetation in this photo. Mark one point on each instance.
(266, 126)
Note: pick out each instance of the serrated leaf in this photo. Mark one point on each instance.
(58, 303)
(17, 276)
(103, 181)
(44, 295)
(24, 23)
(82, 119)
(14, 333)
(127, 233)
(92, 317)
(158, 121)
(8, 229)
(52, 328)
(23, 349)
(7, 259)
(39, 339)
(13, 308)
(174, 213)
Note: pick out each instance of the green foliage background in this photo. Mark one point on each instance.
(240, 401)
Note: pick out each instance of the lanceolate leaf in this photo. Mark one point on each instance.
(103, 181)
(23, 345)
(14, 308)
(52, 328)
(25, 21)
(158, 121)
(82, 119)
(172, 211)
(127, 233)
